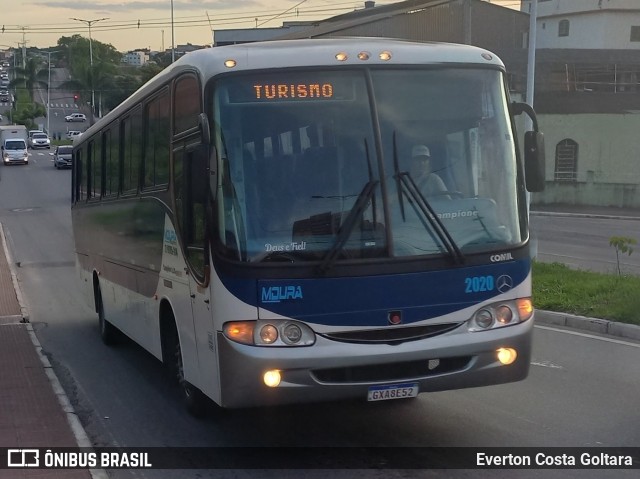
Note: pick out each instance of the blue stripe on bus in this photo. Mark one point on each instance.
(367, 301)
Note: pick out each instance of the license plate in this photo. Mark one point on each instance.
(392, 391)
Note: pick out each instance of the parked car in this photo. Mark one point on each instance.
(71, 134)
(39, 140)
(62, 156)
(76, 117)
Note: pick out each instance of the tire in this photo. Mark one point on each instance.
(194, 400)
(108, 332)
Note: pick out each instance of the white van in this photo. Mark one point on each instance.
(14, 150)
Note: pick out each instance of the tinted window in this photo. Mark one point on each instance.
(157, 138)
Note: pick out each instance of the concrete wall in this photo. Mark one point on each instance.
(608, 161)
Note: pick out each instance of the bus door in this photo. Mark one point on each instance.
(191, 198)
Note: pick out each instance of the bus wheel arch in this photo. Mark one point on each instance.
(108, 332)
(194, 400)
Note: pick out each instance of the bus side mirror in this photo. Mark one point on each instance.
(205, 132)
(534, 156)
(534, 161)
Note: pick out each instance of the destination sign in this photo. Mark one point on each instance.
(324, 87)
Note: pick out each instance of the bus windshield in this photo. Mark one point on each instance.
(328, 165)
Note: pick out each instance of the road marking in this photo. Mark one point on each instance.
(590, 336)
(546, 364)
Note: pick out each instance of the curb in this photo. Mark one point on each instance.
(72, 418)
(24, 311)
(82, 439)
(601, 216)
(595, 325)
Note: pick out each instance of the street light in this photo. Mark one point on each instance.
(49, 88)
(93, 93)
(173, 43)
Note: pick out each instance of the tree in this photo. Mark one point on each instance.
(32, 76)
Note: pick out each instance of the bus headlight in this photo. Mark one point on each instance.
(268, 334)
(275, 332)
(501, 314)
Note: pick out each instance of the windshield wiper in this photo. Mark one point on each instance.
(406, 184)
(347, 226)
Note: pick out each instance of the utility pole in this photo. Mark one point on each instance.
(93, 93)
(173, 42)
(49, 89)
(24, 47)
(531, 60)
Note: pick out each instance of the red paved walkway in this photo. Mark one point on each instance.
(30, 413)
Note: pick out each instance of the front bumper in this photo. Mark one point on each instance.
(331, 370)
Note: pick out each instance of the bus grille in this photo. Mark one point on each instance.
(391, 335)
(392, 372)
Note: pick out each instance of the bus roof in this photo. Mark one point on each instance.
(311, 53)
(322, 52)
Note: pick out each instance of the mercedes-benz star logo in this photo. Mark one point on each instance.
(504, 283)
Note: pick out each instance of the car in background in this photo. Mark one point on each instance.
(14, 150)
(71, 134)
(75, 117)
(39, 140)
(4, 95)
(62, 156)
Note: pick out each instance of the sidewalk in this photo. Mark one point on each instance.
(34, 411)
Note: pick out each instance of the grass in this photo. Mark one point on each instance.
(559, 288)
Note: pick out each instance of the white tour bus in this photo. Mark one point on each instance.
(258, 217)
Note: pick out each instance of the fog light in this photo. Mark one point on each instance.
(272, 378)
(507, 355)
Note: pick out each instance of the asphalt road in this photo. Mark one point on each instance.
(583, 242)
(582, 390)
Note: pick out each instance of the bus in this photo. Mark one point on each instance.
(251, 217)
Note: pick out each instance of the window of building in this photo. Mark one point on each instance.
(563, 28)
(635, 34)
(566, 169)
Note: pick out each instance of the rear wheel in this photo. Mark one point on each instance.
(108, 332)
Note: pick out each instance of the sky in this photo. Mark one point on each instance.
(130, 24)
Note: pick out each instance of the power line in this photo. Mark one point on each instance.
(164, 21)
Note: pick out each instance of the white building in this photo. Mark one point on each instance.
(586, 96)
(584, 24)
(136, 58)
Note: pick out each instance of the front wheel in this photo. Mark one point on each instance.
(194, 400)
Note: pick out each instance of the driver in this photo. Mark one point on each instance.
(428, 182)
